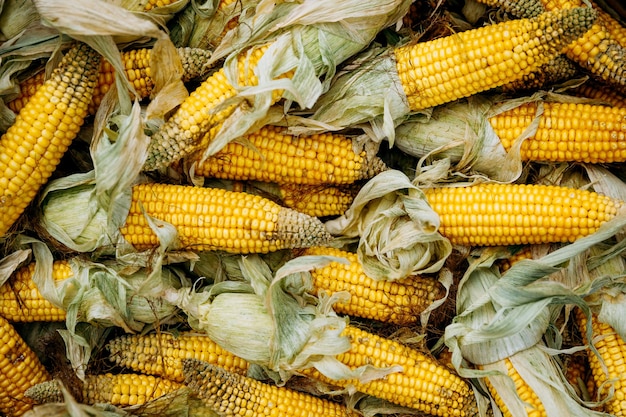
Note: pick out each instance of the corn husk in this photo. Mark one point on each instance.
(272, 320)
(310, 38)
(396, 227)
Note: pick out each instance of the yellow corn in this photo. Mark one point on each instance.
(460, 65)
(612, 353)
(534, 406)
(236, 395)
(515, 214)
(595, 90)
(137, 68)
(33, 146)
(153, 4)
(271, 155)
(162, 354)
(423, 384)
(21, 301)
(200, 117)
(19, 370)
(319, 200)
(578, 374)
(566, 132)
(121, 390)
(523, 253)
(399, 302)
(216, 219)
(596, 50)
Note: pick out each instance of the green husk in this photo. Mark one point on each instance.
(310, 38)
(397, 229)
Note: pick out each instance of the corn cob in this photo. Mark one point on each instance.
(449, 68)
(162, 354)
(200, 116)
(612, 354)
(578, 374)
(33, 146)
(515, 214)
(595, 90)
(236, 395)
(399, 302)
(523, 253)
(566, 132)
(137, 67)
(534, 407)
(423, 384)
(19, 370)
(271, 155)
(21, 301)
(517, 8)
(596, 50)
(319, 200)
(121, 390)
(215, 219)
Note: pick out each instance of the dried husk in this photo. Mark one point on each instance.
(396, 227)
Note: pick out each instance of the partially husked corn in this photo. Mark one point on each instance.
(515, 214)
(319, 200)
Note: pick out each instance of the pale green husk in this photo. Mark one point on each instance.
(396, 226)
(310, 38)
(271, 319)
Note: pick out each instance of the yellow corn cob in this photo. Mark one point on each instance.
(566, 132)
(236, 395)
(612, 353)
(216, 219)
(534, 408)
(595, 90)
(21, 301)
(19, 370)
(423, 384)
(162, 354)
(121, 390)
(523, 253)
(148, 5)
(271, 155)
(515, 214)
(596, 50)
(319, 200)
(137, 68)
(33, 146)
(199, 117)
(460, 65)
(517, 8)
(399, 302)
(557, 70)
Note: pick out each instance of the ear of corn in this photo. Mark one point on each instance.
(216, 219)
(162, 354)
(19, 370)
(423, 383)
(120, 390)
(399, 302)
(578, 374)
(514, 214)
(137, 68)
(271, 155)
(201, 114)
(608, 364)
(518, 8)
(596, 90)
(33, 146)
(236, 395)
(566, 132)
(21, 301)
(456, 66)
(557, 70)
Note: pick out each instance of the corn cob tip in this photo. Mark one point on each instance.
(45, 392)
(373, 167)
(195, 62)
(300, 230)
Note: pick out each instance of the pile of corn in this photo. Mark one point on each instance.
(312, 208)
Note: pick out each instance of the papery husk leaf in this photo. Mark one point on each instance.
(397, 228)
(504, 313)
(541, 373)
(311, 51)
(15, 17)
(10, 263)
(461, 132)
